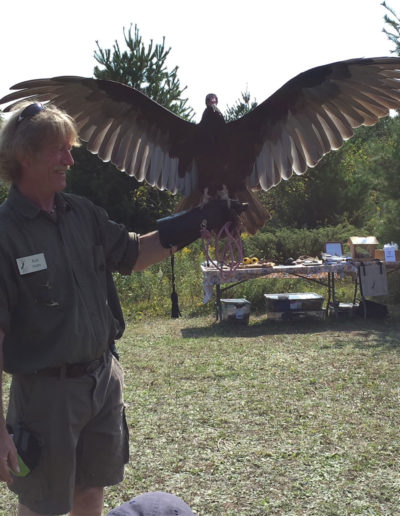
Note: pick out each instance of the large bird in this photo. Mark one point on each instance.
(292, 130)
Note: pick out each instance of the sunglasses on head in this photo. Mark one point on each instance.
(30, 111)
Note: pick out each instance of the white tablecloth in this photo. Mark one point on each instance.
(212, 276)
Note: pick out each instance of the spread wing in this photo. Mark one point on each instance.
(124, 126)
(314, 113)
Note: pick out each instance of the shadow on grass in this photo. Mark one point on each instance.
(377, 341)
(386, 331)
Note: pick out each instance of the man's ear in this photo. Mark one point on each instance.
(25, 160)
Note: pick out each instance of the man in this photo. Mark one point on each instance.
(66, 408)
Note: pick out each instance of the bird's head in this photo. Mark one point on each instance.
(211, 100)
(212, 115)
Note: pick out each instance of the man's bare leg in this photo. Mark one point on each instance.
(88, 501)
(24, 511)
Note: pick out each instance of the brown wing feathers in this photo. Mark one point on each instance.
(317, 111)
(312, 114)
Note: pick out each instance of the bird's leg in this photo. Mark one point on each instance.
(205, 199)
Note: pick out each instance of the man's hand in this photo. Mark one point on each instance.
(183, 228)
(218, 212)
(8, 456)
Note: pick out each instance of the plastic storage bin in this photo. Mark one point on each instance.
(235, 310)
(285, 305)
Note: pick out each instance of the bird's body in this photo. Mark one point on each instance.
(219, 154)
(312, 114)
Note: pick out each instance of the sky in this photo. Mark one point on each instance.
(220, 46)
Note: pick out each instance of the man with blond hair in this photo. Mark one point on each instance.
(66, 414)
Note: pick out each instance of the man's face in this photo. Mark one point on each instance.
(48, 167)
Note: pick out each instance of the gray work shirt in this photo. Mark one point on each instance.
(57, 312)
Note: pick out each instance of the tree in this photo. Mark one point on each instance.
(386, 152)
(145, 70)
(242, 106)
(393, 30)
(336, 191)
(135, 205)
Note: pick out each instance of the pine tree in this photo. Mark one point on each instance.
(393, 30)
(145, 70)
(242, 106)
(137, 205)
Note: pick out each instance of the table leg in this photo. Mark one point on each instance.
(219, 306)
(333, 286)
(332, 302)
(328, 303)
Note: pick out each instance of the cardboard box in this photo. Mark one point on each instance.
(380, 255)
(363, 248)
(235, 310)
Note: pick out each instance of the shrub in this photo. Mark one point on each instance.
(278, 245)
(148, 293)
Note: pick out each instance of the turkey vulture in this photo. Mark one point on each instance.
(292, 130)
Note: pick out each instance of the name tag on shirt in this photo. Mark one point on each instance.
(33, 263)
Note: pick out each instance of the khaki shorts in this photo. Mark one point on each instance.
(81, 425)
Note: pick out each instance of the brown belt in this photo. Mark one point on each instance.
(71, 370)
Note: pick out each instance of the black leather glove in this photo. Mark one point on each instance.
(184, 227)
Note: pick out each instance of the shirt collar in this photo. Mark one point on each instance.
(30, 210)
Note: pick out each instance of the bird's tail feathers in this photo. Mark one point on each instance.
(256, 215)
(187, 203)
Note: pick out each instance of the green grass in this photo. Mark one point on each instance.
(282, 418)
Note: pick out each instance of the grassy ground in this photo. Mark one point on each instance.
(277, 418)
